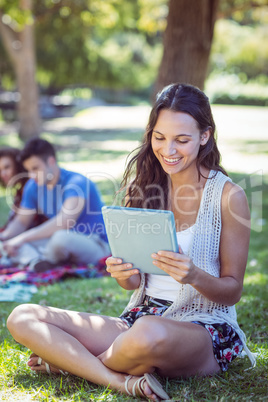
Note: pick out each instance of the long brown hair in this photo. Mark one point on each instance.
(14, 155)
(150, 187)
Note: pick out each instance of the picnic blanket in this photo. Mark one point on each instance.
(18, 284)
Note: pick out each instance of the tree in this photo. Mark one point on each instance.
(93, 43)
(187, 42)
(189, 33)
(18, 39)
(82, 42)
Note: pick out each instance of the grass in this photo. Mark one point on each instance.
(104, 296)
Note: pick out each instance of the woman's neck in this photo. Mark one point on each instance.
(189, 177)
(186, 192)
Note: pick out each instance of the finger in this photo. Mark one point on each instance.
(113, 261)
(124, 274)
(121, 267)
(167, 267)
(175, 272)
(179, 261)
(167, 256)
(170, 255)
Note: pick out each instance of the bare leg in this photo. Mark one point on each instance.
(172, 348)
(71, 341)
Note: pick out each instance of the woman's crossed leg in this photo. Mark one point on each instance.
(103, 349)
(171, 348)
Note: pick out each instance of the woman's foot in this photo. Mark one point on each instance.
(37, 364)
(145, 386)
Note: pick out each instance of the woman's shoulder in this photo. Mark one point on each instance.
(234, 201)
(233, 190)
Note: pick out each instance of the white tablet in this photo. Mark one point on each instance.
(135, 233)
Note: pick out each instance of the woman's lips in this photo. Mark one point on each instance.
(171, 161)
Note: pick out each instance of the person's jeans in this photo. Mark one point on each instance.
(64, 246)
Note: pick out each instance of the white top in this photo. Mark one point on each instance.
(190, 305)
(164, 286)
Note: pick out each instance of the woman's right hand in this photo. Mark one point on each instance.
(120, 270)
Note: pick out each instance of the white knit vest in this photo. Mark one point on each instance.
(190, 305)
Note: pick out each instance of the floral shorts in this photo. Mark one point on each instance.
(225, 341)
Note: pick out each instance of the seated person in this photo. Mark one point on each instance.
(13, 177)
(180, 325)
(74, 231)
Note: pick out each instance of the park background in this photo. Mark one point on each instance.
(83, 74)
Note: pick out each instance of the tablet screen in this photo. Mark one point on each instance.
(135, 233)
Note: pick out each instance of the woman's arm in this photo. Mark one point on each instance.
(65, 219)
(234, 245)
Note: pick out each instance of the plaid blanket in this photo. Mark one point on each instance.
(16, 275)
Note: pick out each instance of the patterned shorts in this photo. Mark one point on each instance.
(226, 343)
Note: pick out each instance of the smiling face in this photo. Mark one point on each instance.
(40, 171)
(7, 169)
(176, 140)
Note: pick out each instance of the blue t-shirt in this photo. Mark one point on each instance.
(70, 184)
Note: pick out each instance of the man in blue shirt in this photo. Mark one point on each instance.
(74, 231)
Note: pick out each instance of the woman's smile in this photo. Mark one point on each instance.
(171, 161)
(176, 140)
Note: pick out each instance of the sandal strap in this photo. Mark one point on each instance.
(137, 384)
(47, 368)
(63, 372)
(126, 384)
(39, 361)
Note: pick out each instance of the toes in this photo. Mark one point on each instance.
(37, 364)
(148, 392)
(33, 360)
(142, 389)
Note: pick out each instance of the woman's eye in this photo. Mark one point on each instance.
(159, 138)
(182, 141)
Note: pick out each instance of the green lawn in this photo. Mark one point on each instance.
(104, 296)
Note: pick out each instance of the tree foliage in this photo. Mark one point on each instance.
(244, 12)
(118, 43)
(246, 58)
(103, 43)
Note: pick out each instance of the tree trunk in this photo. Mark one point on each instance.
(21, 50)
(187, 42)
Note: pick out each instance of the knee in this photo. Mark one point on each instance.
(58, 239)
(19, 319)
(146, 336)
(58, 244)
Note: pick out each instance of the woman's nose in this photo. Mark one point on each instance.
(170, 149)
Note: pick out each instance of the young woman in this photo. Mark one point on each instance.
(13, 175)
(183, 324)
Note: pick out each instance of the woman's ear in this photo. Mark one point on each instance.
(205, 136)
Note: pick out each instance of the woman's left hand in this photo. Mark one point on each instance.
(178, 265)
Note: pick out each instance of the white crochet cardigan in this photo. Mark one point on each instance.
(190, 305)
